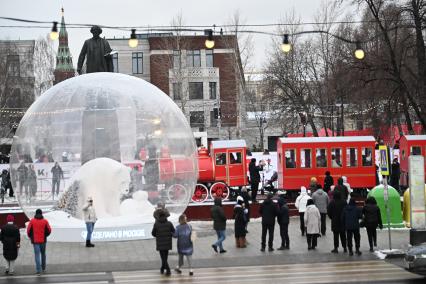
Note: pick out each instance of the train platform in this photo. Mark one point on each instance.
(141, 255)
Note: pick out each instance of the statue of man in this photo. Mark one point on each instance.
(98, 55)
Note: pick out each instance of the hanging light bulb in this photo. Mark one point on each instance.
(286, 46)
(54, 35)
(133, 41)
(209, 43)
(359, 53)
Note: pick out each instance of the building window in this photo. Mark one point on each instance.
(177, 91)
(176, 59)
(214, 118)
(115, 62)
(212, 90)
(195, 90)
(193, 58)
(196, 118)
(137, 62)
(209, 58)
(13, 65)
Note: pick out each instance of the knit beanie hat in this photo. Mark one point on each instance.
(10, 218)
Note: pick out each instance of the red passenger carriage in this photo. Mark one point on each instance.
(410, 145)
(301, 158)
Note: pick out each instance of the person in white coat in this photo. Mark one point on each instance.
(313, 224)
(300, 204)
(345, 183)
(90, 218)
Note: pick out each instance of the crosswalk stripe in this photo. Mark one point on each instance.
(202, 272)
(308, 266)
(292, 272)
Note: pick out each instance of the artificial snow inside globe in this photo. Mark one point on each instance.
(112, 137)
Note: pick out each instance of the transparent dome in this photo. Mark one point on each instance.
(112, 137)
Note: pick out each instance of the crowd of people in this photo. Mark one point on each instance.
(314, 204)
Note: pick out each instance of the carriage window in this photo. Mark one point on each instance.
(235, 157)
(367, 157)
(416, 150)
(305, 158)
(321, 157)
(351, 157)
(290, 158)
(336, 157)
(220, 158)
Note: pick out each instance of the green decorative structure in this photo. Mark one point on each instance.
(394, 205)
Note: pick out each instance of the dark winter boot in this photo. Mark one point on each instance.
(87, 244)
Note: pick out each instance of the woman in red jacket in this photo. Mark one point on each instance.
(38, 230)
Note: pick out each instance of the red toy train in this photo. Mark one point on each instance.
(225, 165)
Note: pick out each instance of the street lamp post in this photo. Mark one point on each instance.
(303, 121)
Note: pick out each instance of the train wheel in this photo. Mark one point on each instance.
(219, 189)
(177, 193)
(201, 193)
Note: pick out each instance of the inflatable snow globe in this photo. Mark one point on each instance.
(110, 137)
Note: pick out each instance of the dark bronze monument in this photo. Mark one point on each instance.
(96, 51)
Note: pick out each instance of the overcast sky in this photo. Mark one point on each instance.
(143, 12)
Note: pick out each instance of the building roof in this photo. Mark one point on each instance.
(327, 139)
(220, 144)
(415, 137)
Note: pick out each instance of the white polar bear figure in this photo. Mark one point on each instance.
(105, 180)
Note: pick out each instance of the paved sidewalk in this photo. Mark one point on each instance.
(141, 255)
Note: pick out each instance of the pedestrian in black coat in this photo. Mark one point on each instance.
(246, 198)
(395, 174)
(283, 221)
(219, 224)
(340, 187)
(351, 215)
(240, 223)
(254, 178)
(328, 181)
(372, 219)
(10, 239)
(335, 212)
(268, 211)
(163, 232)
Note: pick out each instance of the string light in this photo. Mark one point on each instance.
(285, 46)
(54, 35)
(133, 41)
(209, 43)
(359, 53)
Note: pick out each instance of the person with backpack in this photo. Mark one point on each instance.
(163, 231)
(11, 240)
(372, 219)
(38, 230)
(320, 199)
(185, 247)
